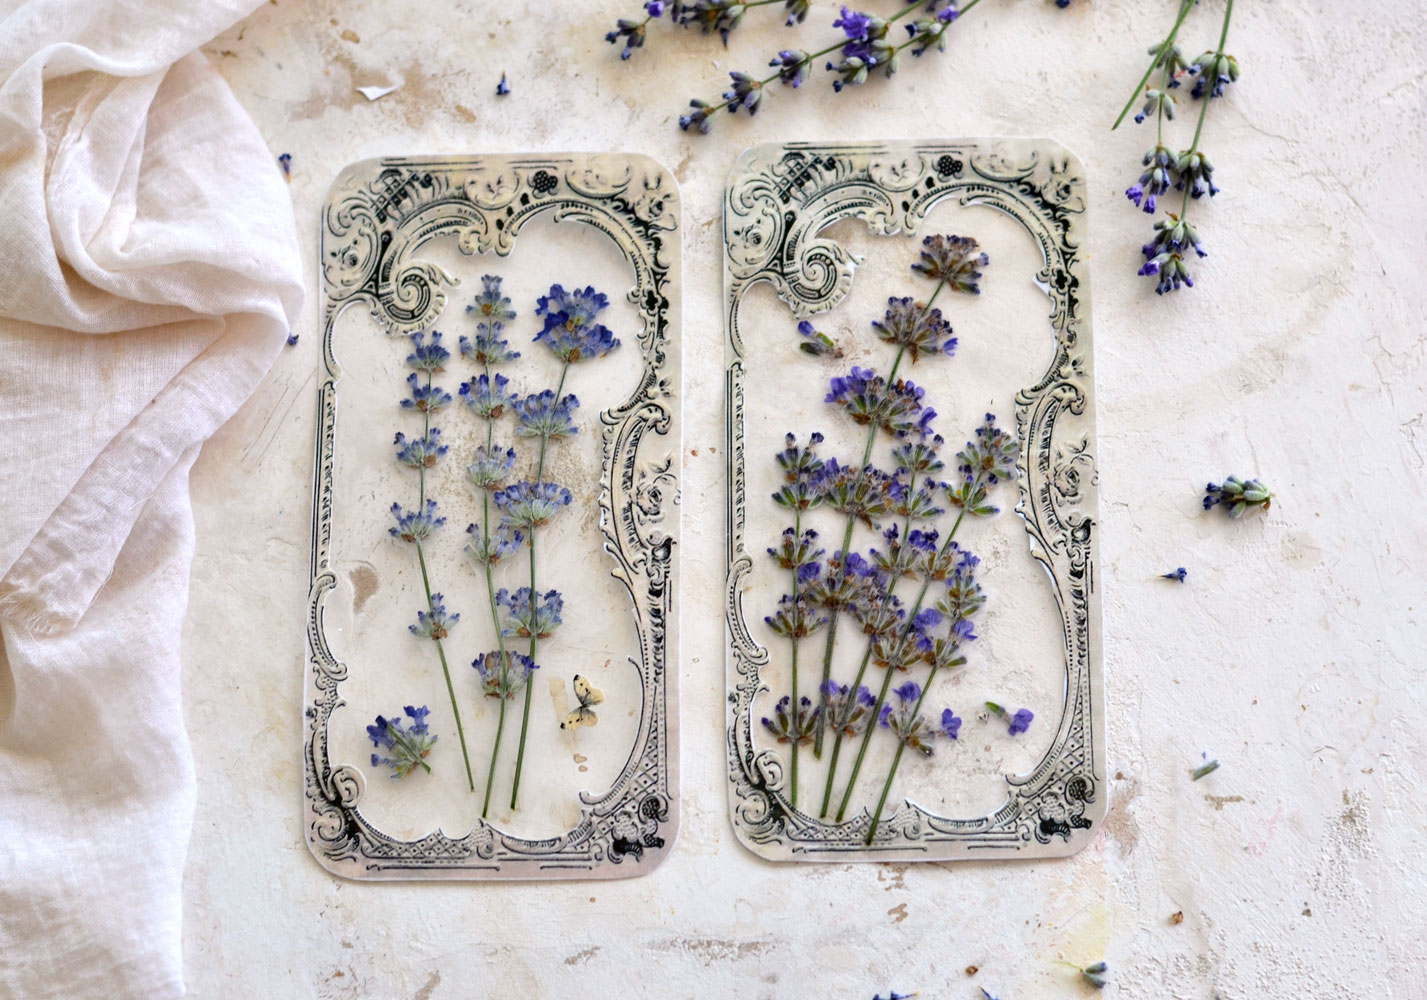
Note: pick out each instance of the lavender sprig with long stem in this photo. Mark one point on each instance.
(572, 333)
(489, 398)
(421, 454)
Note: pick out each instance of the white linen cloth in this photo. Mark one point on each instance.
(149, 273)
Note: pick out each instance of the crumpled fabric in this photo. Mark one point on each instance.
(149, 274)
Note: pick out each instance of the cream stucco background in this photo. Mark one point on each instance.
(1294, 653)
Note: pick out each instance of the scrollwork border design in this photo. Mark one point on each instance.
(779, 200)
(379, 215)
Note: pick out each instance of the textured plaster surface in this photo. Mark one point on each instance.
(1294, 653)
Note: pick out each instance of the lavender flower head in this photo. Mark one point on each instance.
(793, 726)
(745, 92)
(570, 330)
(802, 474)
(792, 66)
(542, 415)
(954, 260)
(420, 452)
(435, 623)
(990, 456)
(526, 617)
(503, 674)
(912, 326)
(795, 551)
(488, 396)
(416, 525)
(496, 547)
(426, 357)
(529, 505)
(408, 746)
(491, 468)
(795, 617)
(1215, 71)
(1164, 254)
(490, 305)
(1237, 495)
(906, 722)
(848, 712)
(1155, 181)
(424, 398)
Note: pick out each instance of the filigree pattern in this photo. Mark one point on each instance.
(780, 198)
(379, 215)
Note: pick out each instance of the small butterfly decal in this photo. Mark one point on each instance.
(584, 715)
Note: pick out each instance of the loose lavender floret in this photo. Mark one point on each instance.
(817, 343)
(408, 746)
(1175, 574)
(1016, 722)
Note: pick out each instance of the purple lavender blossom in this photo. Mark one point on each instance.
(408, 745)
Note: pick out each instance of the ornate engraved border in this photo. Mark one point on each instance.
(379, 214)
(780, 197)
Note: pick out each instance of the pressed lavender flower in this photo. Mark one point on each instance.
(860, 393)
(792, 66)
(1157, 102)
(919, 330)
(698, 119)
(901, 650)
(1238, 495)
(486, 347)
(292, 340)
(954, 260)
(426, 357)
(1204, 769)
(950, 725)
(487, 396)
(906, 722)
(880, 614)
(571, 331)
(1171, 270)
(420, 452)
(988, 458)
(1175, 574)
(902, 409)
(631, 31)
(915, 505)
(795, 726)
(408, 745)
(285, 161)
(802, 474)
(852, 72)
(722, 16)
(929, 31)
(857, 25)
(745, 92)
(504, 674)
(797, 551)
(436, 623)
(502, 88)
(1218, 67)
(1095, 975)
(529, 505)
(817, 343)
(1155, 181)
(919, 457)
(526, 617)
(865, 495)
(491, 468)
(541, 415)
(501, 544)
(904, 557)
(490, 305)
(795, 617)
(797, 11)
(844, 588)
(848, 712)
(1016, 722)
(1193, 169)
(964, 596)
(424, 398)
(416, 525)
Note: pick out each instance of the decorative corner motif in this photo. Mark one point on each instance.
(378, 217)
(780, 199)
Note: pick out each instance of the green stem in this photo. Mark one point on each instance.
(1164, 47)
(793, 699)
(896, 760)
(534, 640)
(495, 615)
(445, 670)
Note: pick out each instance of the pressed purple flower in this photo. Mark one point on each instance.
(424, 398)
(880, 614)
(722, 16)
(491, 305)
(817, 343)
(802, 474)
(426, 357)
(526, 617)
(631, 31)
(435, 623)
(1157, 102)
(492, 467)
(792, 66)
(698, 118)
(919, 330)
(855, 24)
(906, 722)
(504, 674)
(903, 557)
(541, 415)
(865, 495)
(1179, 575)
(502, 88)
(988, 458)
(954, 260)
(900, 650)
(1237, 495)
(292, 340)
(571, 331)
(797, 11)
(407, 746)
(919, 457)
(529, 505)
(796, 551)
(1215, 71)
(1155, 181)
(848, 712)
(793, 726)
(928, 31)
(851, 72)
(964, 596)
(420, 452)
(745, 92)
(1193, 169)
(1017, 722)
(795, 617)
(285, 161)
(416, 525)
(950, 724)
(492, 549)
(488, 396)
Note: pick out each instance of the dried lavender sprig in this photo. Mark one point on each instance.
(1159, 55)
(723, 16)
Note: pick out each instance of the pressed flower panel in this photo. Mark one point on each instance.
(905, 651)
(499, 460)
